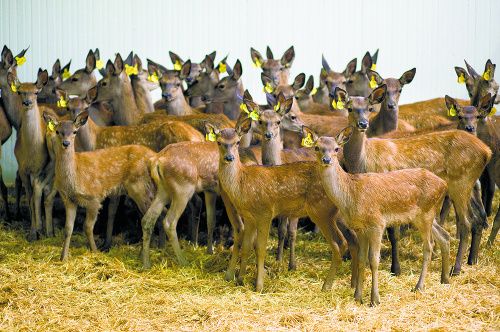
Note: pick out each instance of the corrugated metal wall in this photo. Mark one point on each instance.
(433, 36)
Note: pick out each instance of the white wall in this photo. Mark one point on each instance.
(433, 36)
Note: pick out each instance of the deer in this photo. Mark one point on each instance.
(47, 95)
(288, 190)
(196, 70)
(277, 70)
(86, 179)
(141, 85)
(371, 202)
(30, 148)
(82, 80)
(334, 79)
(358, 83)
(460, 171)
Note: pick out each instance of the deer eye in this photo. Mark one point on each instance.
(86, 108)
(350, 82)
(74, 133)
(218, 143)
(400, 90)
(370, 109)
(178, 84)
(316, 148)
(294, 117)
(459, 117)
(199, 71)
(221, 86)
(104, 83)
(278, 122)
(238, 143)
(336, 149)
(57, 132)
(282, 68)
(36, 92)
(297, 98)
(344, 82)
(74, 79)
(260, 121)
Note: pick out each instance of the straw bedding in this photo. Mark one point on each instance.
(111, 292)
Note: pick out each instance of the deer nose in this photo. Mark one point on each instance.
(470, 129)
(229, 158)
(26, 102)
(65, 144)
(268, 135)
(54, 90)
(189, 79)
(167, 95)
(391, 105)
(326, 160)
(363, 124)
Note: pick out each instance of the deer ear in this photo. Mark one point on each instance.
(288, 57)
(118, 64)
(81, 119)
(138, 62)
(471, 71)
(153, 68)
(271, 101)
(110, 68)
(375, 57)
(185, 70)
(129, 60)
(306, 131)
(299, 82)
(247, 95)
(378, 95)
(209, 127)
(90, 62)
(56, 69)
(237, 70)
(408, 76)
(376, 76)
(48, 117)
(91, 95)
(269, 53)
(309, 85)
(366, 63)
(208, 64)
(256, 57)
(461, 73)
(489, 67)
(351, 68)
(7, 57)
(11, 78)
(485, 104)
(344, 136)
(325, 64)
(266, 80)
(285, 106)
(281, 98)
(61, 94)
(244, 127)
(341, 95)
(43, 78)
(451, 104)
(175, 58)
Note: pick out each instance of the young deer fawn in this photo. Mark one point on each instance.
(48, 95)
(277, 70)
(371, 202)
(358, 83)
(87, 178)
(289, 190)
(141, 86)
(457, 157)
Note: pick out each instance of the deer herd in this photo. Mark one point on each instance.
(344, 153)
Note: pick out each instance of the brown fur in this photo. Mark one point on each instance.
(277, 70)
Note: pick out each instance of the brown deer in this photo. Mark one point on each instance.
(334, 79)
(47, 95)
(196, 70)
(460, 171)
(30, 148)
(81, 81)
(87, 178)
(197, 121)
(141, 86)
(277, 70)
(358, 83)
(371, 202)
(289, 190)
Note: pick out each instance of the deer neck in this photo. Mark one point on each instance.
(355, 152)
(214, 108)
(285, 75)
(489, 133)
(65, 168)
(31, 137)
(271, 150)
(178, 106)
(230, 175)
(87, 134)
(231, 108)
(195, 102)
(337, 184)
(125, 108)
(13, 108)
(142, 95)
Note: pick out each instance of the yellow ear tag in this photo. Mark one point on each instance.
(99, 64)
(493, 111)
(131, 70)
(373, 67)
(211, 137)
(257, 63)
(66, 74)
(222, 67)
(13, 87)
(307, 141)
(244, 108)
(177, 65)
(486, 75)
(254, 115)
(62, 103)
(452, 111)
(373, 83)
(50, 126)
(339, 105)
(20, 60)
(323, 71)
(268, 88)
(277, 107)
(153, 78)
(461, 79)
(313, 92)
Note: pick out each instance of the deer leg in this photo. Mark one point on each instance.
(463, 230)
(442, 238)
(114, 201)
(177, 206)
(487, 190)
(262, 236)
(210, 200)
(394, 234)
(362, 258)
(375, 240)
(18, 189)
(194, 221)
(246, 246)
(49, 193)
(37, 204)
(427, 242)
(88, 225)
(148, 222)
(329, 231)
(480, 222)
(68, 227)
(445, 210)
(282, 223)
(237, 225)
(292, 237)
(494, 229)
(352, 243)
(5, 197)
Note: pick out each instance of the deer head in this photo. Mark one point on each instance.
(277, 70)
